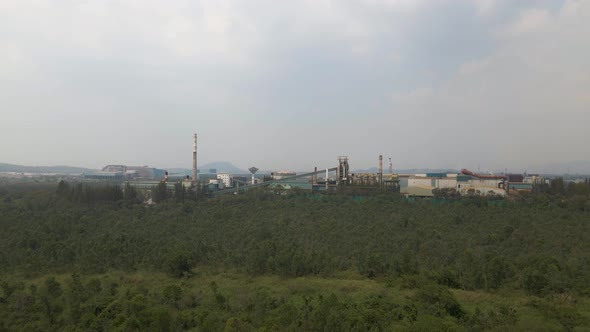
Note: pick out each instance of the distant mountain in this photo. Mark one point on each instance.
(42, 169)
(220, 166)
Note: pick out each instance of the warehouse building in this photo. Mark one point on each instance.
(424, 185)
(123, 173)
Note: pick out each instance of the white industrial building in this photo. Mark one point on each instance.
(218, 183)
(226, 178)
(425, 184)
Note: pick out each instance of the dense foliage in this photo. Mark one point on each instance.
(58, 253)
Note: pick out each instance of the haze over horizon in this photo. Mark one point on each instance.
(292, 85)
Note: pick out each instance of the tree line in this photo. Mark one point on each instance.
(537, 245)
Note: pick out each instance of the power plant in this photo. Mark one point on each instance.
(320, 180)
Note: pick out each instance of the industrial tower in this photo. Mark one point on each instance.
(195, 174)
(253, 170)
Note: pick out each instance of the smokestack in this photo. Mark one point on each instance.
(195, 176)
(390, 167)
(314, 178)
(380, 175)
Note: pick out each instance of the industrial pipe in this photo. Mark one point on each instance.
(483, 176)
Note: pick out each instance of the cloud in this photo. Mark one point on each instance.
(102, 78)
(485, 6)
(521, 105)
(529, 22)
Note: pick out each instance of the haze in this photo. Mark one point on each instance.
(294, 84)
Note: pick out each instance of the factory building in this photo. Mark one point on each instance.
(226, 179)
(215, 184)
(466, 183)
(524, 182)
(423, 185)
(481, 187)
(145, 172)
(104, 176)
(123, 172)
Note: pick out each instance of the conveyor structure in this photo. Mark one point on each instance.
(266, 183)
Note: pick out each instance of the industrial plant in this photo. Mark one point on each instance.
(122, 173)
(330, 179)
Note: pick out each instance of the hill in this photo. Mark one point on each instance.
(42, 169)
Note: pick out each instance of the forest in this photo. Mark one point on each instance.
(77, 257)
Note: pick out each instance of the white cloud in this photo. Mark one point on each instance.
(485, 6)
(524, 103)
(324, 72)
(530, 21)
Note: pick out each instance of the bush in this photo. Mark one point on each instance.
(439, 301)
(180, 265)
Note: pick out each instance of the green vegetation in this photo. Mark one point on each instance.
(74, 257)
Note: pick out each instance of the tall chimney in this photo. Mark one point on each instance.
(314, 178)
(380, 175)
(195, 175)
(390, 167)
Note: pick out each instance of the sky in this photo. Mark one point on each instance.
(487, 84)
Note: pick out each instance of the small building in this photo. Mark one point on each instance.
(515, 177)
(226, 178)
(215, 185)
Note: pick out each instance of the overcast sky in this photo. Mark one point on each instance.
(294, 84)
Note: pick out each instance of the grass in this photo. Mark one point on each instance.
(533, 313)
